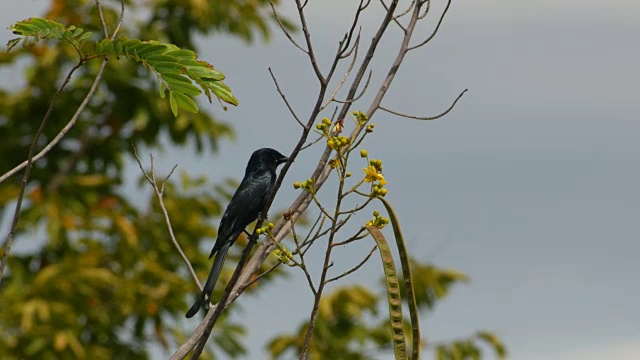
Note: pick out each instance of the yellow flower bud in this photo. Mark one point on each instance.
(363, 153)
(383, 191)
(296, 185)
(376, 213)
(259, 232)
(348, 174)
(270, 226)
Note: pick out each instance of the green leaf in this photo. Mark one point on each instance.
(174, 104)
(178, 71)
(222, 91)
(38, 29)
(493, 340)
(185, 102)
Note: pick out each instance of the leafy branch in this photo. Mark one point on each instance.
(35, 29)
(177, 71)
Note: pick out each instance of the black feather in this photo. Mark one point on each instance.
(245, 206)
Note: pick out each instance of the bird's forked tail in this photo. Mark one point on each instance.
(216, 268)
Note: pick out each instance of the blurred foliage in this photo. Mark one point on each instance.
(353, 323)
(101, 279)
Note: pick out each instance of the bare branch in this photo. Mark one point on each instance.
(413, 3)
(151, 178)
(312, 143)
(364, 89)
(257, 278)
(427, 117)
(395, 18)
(302, 264)
(344, 45)
(354, 47)
(104, 23)
(426, 9)
(355, 268)
(307, 37)
(286, 32)
(435, 31)
(120, 19)
(346, 75)
(285, 98)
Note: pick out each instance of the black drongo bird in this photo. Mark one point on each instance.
(247, 202)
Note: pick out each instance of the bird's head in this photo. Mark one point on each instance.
(266, 158)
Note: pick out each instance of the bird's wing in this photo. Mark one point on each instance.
(246, 203)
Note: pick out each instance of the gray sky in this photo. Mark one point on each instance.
(529, 185)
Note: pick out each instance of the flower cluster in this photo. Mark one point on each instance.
(373, 174)
(283, 255)
(369, 128)
(337, 142)
(324, 126)
(306, 185)
(360, 116)
(265, 229)
(378, 221)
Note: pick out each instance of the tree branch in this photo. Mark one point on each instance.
(160, 195)
(285, 98)
(427, 117)
(355, 268)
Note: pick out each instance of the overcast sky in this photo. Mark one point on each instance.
(530, 185)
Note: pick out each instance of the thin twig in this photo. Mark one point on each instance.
(101, 15)
(346, 74)
(426, 9)
(364, 89)
(160, 195)
(303, 265)
(357, 236)
(427, 117)
(257, 278)
(285, 31)
(307, 37)
(413, 3)
(284, 98)
(435, 31)
(313, 142)
(355, 268)
(395, 18)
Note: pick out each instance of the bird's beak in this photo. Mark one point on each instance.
(283, 160)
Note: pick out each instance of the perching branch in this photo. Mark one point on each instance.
(243, 275)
